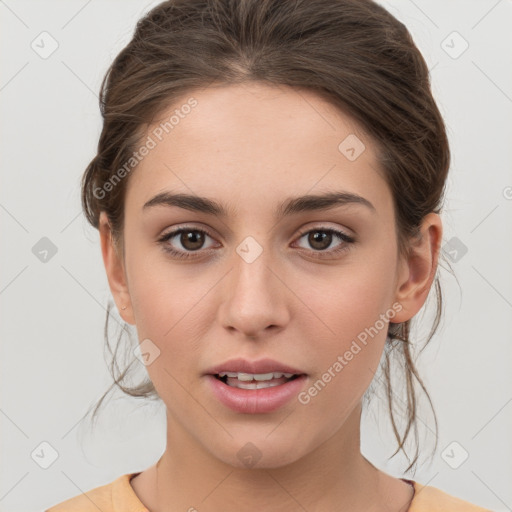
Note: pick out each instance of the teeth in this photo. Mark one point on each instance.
(247, 377)
(229, 374)
(255, 385)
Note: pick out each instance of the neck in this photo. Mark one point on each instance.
(331, 476)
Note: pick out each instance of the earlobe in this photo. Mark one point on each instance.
(418, 272)
(114, 268)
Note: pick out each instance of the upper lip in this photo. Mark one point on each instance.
(241, 365)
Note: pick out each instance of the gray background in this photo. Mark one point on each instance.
(52, 363)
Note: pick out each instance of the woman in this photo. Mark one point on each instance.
(267, 190)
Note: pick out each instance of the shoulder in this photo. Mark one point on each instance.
(432, 499)
(99, 498)
(116, 496)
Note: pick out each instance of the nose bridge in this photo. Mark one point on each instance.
(254, 299)
(251, 270)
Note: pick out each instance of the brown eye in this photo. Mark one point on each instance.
(192, 240)
(319, 240)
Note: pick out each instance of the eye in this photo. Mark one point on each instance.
(322, 237)
(190, 239)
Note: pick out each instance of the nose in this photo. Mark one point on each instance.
(255, 298)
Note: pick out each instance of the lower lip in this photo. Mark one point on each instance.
(254, 401)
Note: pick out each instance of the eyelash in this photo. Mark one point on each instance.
(184, 255)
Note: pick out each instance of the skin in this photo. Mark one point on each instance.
(250, 147)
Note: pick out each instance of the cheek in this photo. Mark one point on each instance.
(346, 359)
(168, 299)
(353, 296)
(350, 312)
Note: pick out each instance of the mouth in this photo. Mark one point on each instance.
(255, 386)
(255, 381)
(255, 393)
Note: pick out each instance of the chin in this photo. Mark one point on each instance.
(259, 450)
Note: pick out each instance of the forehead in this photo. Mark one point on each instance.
(226, 115)
(255, 140)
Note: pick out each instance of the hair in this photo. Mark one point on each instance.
(353, 53)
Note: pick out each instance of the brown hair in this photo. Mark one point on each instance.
(352, 52)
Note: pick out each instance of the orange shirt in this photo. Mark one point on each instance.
(119, 496)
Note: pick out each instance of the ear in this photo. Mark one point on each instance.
(114, 267)
(417, 273)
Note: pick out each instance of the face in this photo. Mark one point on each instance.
(312, 288)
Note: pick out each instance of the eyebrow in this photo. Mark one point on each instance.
(290, 206)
